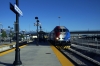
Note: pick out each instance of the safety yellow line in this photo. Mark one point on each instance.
(63, 60)
(11, 50)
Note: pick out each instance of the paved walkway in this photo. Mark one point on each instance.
(32, 55)
(7, 43)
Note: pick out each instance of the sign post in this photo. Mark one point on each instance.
(18, 12)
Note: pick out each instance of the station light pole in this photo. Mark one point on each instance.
(37, 28)
(37, 24)
(40, 28)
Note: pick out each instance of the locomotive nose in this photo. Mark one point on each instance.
(62, 36)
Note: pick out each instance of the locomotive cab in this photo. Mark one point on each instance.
(62, 36)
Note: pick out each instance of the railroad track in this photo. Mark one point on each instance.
(78, 58)
(86, 48)
(92, 45)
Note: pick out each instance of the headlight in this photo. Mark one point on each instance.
(57, 38)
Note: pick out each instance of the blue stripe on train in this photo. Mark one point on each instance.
(67, 36)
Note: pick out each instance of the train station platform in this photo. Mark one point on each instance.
(32, 55)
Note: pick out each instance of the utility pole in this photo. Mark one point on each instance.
(59, 21)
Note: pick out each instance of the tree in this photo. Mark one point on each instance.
(3, 35)
(22, 36)
(11, 34)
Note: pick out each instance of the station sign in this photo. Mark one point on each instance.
(18, 10)
(15, 9)
(12, 8)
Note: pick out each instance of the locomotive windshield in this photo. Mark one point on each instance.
(58, 30)
(61, 30)
(64, 30)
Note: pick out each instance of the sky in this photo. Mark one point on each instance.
(76, 15)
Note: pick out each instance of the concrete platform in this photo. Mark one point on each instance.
(32, 55)
(1, 43)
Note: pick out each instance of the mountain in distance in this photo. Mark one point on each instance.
(26, 32)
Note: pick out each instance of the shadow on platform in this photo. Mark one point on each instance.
(6, 64)
(35, 43)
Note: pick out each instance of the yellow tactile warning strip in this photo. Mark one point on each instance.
(63, 60)
(8, 51)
